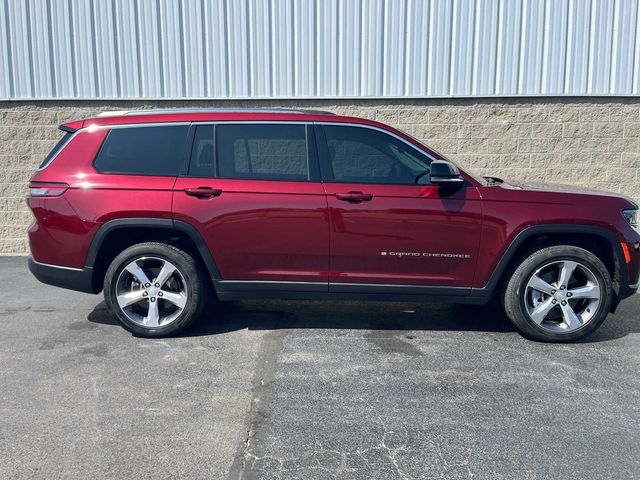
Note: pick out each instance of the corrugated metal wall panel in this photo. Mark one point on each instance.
(317, 48)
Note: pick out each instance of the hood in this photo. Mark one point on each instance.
(561, 188)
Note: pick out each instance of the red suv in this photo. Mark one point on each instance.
(163, 210)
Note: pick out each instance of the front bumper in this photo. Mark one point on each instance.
(79, 279)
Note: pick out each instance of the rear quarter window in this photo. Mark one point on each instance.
(59, 146)
(157, 150)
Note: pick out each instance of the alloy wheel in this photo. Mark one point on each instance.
(151, 292)
(562, 296)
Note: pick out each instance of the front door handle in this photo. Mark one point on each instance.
(203, 192)
(354, 197)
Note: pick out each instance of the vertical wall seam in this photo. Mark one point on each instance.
(52, 59)
(544, 51)
(227, 62)
(476, 48)
(453, 45)
(635, 80)
(521, 50)
(613, 51)
(568, 57)
(498, 49)
(116, 47)
(94, 48)
(8, 44)
(182, 49)
(161, 74)
(591, 47)
(206, 67)
(30, 67)
(136, 26)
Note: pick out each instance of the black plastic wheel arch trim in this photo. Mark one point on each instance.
(534, 230)
(166, 223)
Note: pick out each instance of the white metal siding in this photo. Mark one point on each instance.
(317, 48)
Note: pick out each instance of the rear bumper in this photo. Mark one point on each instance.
(79, 279)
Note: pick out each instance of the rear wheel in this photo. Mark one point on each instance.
(154, 289)
(559, 294)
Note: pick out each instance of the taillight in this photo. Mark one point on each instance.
(48, 189)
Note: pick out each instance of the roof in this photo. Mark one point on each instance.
(116, 113)
(212, 115)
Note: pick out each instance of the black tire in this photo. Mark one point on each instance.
(194, 280)
(514, 295)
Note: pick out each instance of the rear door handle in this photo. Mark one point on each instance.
(203, 192)
(354, 197)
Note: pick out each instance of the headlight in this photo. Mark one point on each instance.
(631, 216)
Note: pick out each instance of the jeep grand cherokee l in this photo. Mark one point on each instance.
(163, 210)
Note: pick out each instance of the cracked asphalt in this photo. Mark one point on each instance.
(310, 390)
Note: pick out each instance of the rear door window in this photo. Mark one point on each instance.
(262, 152)
(202, 152)
(157, 150)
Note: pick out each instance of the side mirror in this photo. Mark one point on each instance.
(445, 173)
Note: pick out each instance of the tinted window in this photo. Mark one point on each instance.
(202, 151)
(143, 150)
(364, 155)
(61, 143)
(268, 152)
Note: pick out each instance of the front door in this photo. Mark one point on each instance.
(252, 195)
(388, 225)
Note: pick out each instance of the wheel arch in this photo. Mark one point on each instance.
(600, 241)
(116, 235)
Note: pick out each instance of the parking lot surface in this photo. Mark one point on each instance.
(310, 390)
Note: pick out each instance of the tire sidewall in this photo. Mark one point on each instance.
(167, 253)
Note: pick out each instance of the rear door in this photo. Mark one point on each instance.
(389, 226)
(253, 192)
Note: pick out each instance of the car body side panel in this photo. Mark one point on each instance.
(258, 229)
(66, 225)
(508, 212)
(406, 234)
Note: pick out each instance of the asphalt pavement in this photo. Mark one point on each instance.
(309, 390)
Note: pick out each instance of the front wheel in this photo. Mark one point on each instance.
(154, 289)
(559, 294)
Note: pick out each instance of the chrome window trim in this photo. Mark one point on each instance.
(308, 122)
(94, 127)
(382, 130)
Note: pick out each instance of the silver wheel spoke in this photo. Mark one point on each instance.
(177, 299)
(134, 269)
(570, 318)
(588, 291)
(548, 287)
(539, 284)
(139, 298)
(541, 311)
(166, 272)
(566, 272)
(153, 316)
(129, 298)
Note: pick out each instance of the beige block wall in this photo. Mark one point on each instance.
(591, 142)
